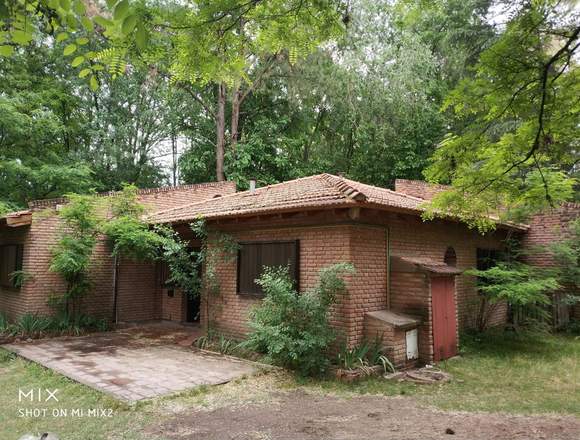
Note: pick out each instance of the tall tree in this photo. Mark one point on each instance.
(232, 45)
(41, 128)
(519, 145)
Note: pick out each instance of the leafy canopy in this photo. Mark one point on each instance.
(516, 144)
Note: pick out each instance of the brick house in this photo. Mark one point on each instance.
(26, 240)
(408, 286)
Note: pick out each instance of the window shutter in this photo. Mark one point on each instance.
(254, 257)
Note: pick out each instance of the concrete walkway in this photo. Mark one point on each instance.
(136, 363)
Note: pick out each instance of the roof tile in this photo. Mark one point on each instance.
(322, 190)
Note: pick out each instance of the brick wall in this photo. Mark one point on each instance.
(394, 341)
(410, 294)
(368, 289)
(411, 237)
(319, 247)
(139, 296)
(365, 246)
(546, 228)
(172, 307)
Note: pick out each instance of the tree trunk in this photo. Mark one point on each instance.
(236, 103)
(174, 158)
(220, 133)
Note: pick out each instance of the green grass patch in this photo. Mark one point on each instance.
(496, 372)
(514, 373)
(16, 373)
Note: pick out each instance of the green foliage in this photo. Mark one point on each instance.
(71, 23)
(19, 277)
(128, 235)
(351, 358)
(32, 325)
(5, 208)
(364, 355)
(216, 247)
(567, 256)
(518, 284)
(572, 327)
(207, 49)
(184, 263)
(292, 329)
(40, 128)
(63, 323)
(72, 255)
(513, 150)
(4, 323)
(219, 343)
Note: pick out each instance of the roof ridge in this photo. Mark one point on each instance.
(407, 196)
(342, 186)
(140, 191)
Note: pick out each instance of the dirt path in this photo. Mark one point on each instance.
(301, 416)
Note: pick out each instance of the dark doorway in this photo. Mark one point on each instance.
(193, 308)
(193, 302)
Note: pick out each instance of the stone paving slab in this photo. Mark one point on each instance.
(131, 366)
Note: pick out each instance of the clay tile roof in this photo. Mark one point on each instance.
(17, 218)
(318, 191)
(322, 190)
(428, 265)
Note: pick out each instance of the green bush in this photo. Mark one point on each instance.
(4, 323)
(77, 323)
(292, 329)
(364, 355)
(33, 325)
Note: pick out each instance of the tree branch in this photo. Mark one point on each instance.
(542, 110)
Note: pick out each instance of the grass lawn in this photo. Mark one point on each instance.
(17, 373)
(497, 373)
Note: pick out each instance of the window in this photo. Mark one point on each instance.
(10, 261)
(487, 258)
(253, 257)
(450, 257)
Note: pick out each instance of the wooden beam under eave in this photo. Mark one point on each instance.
(21, 220)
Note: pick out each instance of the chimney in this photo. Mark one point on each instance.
(252, 186)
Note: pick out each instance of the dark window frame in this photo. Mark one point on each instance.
(18, 263)
(487, 258)
(296, 274)
(450, 257)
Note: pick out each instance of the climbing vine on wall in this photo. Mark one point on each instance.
(130, 236)
(72, 254)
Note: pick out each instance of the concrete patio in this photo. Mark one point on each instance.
(135, 363)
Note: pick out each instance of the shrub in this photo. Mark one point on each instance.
(364, 355)
(218, 342)
(33, 325)
(77, 323)
(292, 329)
(4, 323)
(521, 286)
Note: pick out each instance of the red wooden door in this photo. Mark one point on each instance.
(444, 317)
